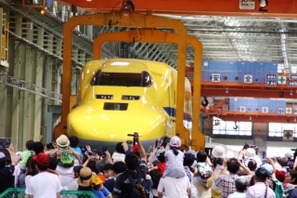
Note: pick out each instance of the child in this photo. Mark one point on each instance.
(98, 188)
(26, 154)
(175, 159)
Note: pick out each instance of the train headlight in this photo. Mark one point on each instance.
(104, 96)
(127, 97)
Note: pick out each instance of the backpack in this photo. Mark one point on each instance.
(139, 187)
(278, 188)
(66, 159)
(204, 170)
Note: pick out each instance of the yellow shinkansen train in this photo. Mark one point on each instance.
(123, 96)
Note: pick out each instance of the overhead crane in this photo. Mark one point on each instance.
(275, 8)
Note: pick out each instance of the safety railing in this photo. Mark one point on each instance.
(20, 193)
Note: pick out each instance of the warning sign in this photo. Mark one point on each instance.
(246, 4)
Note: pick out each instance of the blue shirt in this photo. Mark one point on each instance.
(98, 193)
(78, 150)
(101, 193)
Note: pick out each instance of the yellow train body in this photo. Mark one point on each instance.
(123, 96)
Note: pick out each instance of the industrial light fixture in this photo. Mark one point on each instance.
(294, 119)
(128, 5)
(42, 11)
(263, 3)
(291, 92)
(227, 90)
(250, 118)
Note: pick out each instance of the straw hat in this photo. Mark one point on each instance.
(85, 176)
(62, 141)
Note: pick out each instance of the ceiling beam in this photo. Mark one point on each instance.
(258, 117)
(248, 92)
(275, 8)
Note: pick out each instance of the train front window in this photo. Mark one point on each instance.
(121, 79)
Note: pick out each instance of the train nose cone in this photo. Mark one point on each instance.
(150, 123)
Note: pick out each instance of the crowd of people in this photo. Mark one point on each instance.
(128, 171)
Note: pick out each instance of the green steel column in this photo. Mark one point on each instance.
(37, 113)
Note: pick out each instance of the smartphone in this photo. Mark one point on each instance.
(94, 152)
(5, 142)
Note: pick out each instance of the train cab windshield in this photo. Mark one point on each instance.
(142, 79)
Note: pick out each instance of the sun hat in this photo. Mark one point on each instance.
(175, 142)
(62, 141)
(85, 176)
(95, 181)
(280, 175)
(249, 153)
(42, 159)
(218, 151)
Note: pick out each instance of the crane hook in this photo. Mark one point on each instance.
(204, 102)
(236, 126)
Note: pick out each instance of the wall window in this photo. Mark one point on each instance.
(221, 127)
(277, 129)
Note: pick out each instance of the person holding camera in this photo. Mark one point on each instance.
(131, 183)
(226, 182)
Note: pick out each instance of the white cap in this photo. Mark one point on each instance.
(175, 141)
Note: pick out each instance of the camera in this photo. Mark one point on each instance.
(135, 137)
(50, 146)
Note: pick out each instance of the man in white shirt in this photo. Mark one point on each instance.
(260, 189)
(174, 187)
(44, 184)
